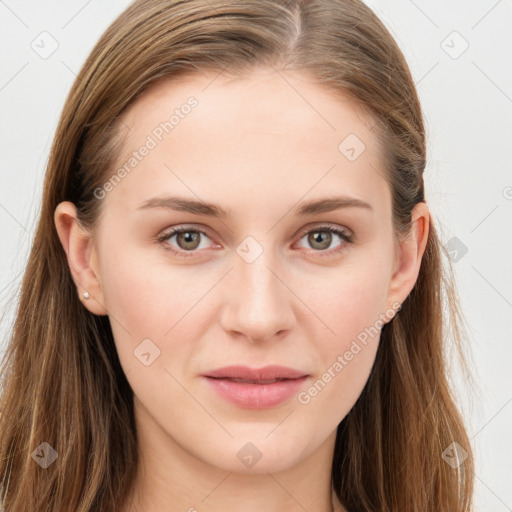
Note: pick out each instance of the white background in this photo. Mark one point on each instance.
(467, 103)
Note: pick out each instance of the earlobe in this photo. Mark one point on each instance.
(78, 246)
(410, 254)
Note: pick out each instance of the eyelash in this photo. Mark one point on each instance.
(164, 238)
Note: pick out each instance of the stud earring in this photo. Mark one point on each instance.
(86, 295)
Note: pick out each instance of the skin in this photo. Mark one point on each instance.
(257, 148)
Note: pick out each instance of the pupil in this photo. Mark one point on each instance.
(322, 238)
(188, 237)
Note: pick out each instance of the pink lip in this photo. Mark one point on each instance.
(256, 395)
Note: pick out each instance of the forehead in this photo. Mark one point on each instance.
(269, 132)
(273, 101)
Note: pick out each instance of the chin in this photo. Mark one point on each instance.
(259, 457)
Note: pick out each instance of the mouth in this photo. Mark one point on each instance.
(250, 381)
(255, 388)
(268, 373)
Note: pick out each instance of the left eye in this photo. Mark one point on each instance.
(189, 239)
(323, 236)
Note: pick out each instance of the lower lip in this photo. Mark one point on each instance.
(256, 396)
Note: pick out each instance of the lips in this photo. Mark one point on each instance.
(250, 381)
(268, 373)
(255, 388)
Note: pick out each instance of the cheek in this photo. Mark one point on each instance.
(352, 306)
(150, 301)
(349, 298)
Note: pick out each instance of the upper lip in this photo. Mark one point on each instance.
(265, 373)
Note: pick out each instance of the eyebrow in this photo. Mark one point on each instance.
(313, 207)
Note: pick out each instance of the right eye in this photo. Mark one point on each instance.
(188, 240)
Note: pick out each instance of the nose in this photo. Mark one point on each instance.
(259, 305)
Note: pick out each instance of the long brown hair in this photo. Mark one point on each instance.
(62, 382)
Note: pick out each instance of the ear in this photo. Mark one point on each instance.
(409, 255)
(81, 255)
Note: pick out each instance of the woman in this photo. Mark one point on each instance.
(235, 297)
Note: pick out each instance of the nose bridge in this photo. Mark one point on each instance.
(260, 304)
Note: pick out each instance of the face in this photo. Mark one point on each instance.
(275, 280)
